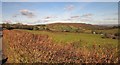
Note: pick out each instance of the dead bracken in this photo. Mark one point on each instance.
(25, 47)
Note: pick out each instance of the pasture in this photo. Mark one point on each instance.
(83, 39)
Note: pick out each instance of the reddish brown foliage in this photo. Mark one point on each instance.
(24, 47)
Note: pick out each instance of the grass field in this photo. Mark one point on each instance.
(110, 31)
(81, 38)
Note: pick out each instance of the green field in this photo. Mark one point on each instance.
(110, 31)
(82, 38)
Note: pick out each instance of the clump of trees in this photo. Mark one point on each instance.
(17, 26)
(112, 36)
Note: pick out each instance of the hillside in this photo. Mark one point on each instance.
(63, 27)
(71, 27)
(76, 25)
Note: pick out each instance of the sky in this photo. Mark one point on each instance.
(60, 0)
(0, 11)
(60, 12)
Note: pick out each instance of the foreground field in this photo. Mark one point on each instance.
(109, 31)
(25, 47)
(81, 38)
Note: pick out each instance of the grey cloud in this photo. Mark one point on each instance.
(38, 21)
(49, 17)
(75, 17)
(27, 13)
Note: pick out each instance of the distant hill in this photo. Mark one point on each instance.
(59, 27)
(76, 25)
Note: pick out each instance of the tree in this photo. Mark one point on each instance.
(35, 28)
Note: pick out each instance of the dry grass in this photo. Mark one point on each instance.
(24, 47)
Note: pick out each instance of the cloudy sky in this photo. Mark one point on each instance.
(60, 0)
(66, 12)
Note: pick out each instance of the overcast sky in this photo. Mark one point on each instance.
(67, 12)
